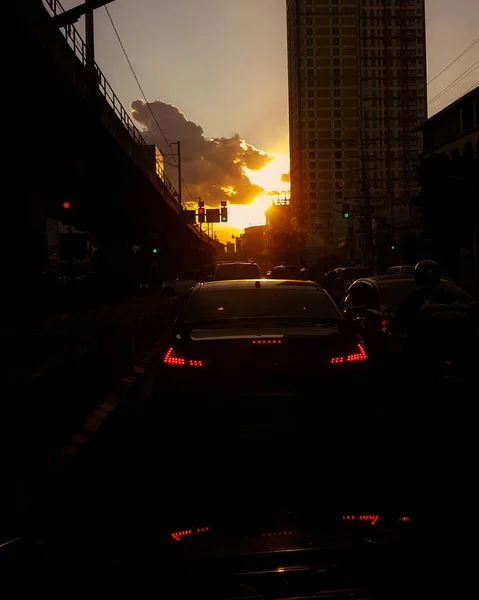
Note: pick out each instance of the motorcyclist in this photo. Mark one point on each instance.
(427, 276)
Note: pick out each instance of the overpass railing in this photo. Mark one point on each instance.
(77, 44)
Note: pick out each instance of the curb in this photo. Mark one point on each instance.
(139, 382)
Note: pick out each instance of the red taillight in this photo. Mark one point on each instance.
(373, 519)
(349, 358)
(177, 535)
(263, 342)
(171, 358)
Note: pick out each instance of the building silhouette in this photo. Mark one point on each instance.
(357, 91)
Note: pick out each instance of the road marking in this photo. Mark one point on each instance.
(100, 413)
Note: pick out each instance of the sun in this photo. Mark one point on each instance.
(247, 215)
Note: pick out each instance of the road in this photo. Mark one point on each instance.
(162, 462)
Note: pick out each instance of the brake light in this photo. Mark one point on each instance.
(177, 535)
(171, 359)
(263, 342)
(368, 518)
(349, 358)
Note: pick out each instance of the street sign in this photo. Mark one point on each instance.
(189, 216)
(213, 215)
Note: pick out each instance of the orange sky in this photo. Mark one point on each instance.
(245, 215)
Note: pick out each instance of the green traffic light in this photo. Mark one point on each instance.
(155, 250)
(223, 219)
(346, 215)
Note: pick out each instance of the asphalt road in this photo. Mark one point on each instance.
(163, 462)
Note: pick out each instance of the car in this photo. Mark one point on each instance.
(223, 271)
(261, 335)
(176, 287)
(371, 304)
(285, 272)
(340, 279)
(401, 270)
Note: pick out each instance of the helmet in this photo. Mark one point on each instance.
(427, 272)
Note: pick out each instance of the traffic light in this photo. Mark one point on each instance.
(66, 205)
(201, 212)
(224, 212)
(155, 250)
(346, 211)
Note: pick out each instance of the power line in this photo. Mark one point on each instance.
(144, 95)
(461, 77)
(454, 61)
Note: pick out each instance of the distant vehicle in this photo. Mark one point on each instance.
(285, 272)
(340, 279)
(401, 270)
(224, 271)
(181, 285)
(262, 336)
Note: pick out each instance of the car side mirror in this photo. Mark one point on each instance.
(354, 309)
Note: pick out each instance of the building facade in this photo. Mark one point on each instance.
(357, 90)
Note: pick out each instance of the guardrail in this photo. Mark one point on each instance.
(78, 46)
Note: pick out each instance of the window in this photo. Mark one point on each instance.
(361, 294)
(305, 301)
(239, 271)
(394, 292)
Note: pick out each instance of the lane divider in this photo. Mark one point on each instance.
(99, 414)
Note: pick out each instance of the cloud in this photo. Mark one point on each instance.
(285, 177)
(211, 168)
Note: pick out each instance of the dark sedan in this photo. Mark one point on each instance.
(371, 304)
(255, 336)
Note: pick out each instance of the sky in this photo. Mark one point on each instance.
(218, 69)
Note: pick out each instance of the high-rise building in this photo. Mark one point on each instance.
(357, 90)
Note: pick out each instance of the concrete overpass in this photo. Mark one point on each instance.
(75, 143)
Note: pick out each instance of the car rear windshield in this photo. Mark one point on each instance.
(215, 305)
(393, 292)
(357, 273)
(225, 272)
(287, 272)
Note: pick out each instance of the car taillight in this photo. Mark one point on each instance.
(357, 356)
(384, 325)
(172, 358)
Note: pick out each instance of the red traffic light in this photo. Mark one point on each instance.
(66, 205)
(201, 211)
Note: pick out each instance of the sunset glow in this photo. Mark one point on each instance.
(247, 215)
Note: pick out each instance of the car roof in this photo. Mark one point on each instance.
(393, 278)
(245, 284)
(288, 267)
(236, 263)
